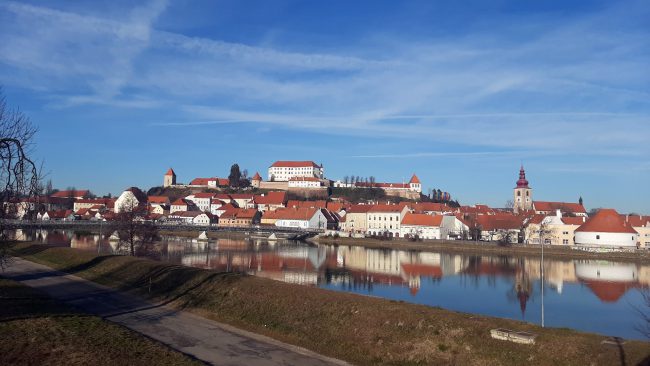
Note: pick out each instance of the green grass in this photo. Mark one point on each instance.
(362, 330)
(36, 330)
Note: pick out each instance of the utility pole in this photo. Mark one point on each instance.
(542, 272)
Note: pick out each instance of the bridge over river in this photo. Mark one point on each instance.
(261, 230)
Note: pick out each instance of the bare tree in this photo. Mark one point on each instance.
(135, 233)
(510, 205)
(372, 181)
(346, 179)
(18, 172)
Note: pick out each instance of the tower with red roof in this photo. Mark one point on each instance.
(415, 184)
(523, 194)
(170, 178)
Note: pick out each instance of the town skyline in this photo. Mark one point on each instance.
(461, 97)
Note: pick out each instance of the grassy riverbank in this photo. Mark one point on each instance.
(558, 252)
(36, 330)
(362, 330)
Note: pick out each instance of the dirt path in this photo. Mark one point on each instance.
(207, 340)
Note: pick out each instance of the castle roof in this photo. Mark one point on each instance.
(257, 176)
(414, 179)
(170, 172)
(294, 164)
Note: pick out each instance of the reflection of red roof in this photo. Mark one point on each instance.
(606, 221)
(487, 268)
(417, 269)
(422, 220)
(609, 291)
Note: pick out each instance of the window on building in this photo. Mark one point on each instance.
(597, 236)
(518, 193)
(565, 241)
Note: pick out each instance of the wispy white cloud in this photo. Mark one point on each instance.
(576, 86)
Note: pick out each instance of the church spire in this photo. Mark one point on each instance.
(522, 182)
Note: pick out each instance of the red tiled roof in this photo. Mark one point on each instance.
(239, 213)
(359, 209)
(204, 195)
(385, 208)
(59, 214)
(382, 185)
(307, 204)
(637, 220)
(199, 181)
(335, 206)
(98, 201)
(271, 198)
(294, 164)
(180, 202)
(606, 221)
(562, 206)
(429, 207)
(170, 172)
(67, 194)
(422, 220)
(573, 220)
(158, 199)
(414, 179)
(257, 176)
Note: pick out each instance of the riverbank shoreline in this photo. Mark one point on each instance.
(516, 250)
(358, 329)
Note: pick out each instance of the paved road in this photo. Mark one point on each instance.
(209, 341)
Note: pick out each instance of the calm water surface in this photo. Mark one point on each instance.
(589, 295)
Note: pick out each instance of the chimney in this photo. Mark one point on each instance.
(558, 213)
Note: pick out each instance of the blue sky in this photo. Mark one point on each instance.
(460, 92)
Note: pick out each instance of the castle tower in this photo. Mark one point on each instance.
(257, 179)
(170, 178)
(523, 194)
(414, 184)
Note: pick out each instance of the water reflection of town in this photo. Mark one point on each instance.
(357, 268)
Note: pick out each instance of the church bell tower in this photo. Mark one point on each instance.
(523, 194)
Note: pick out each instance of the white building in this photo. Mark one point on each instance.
(301, 218)
(201, 200)
(385, 219)
(606, 229)
(305, 182)
(130, 199)
(191, 217)
(283, 171)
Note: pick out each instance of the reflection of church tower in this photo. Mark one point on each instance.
(523, 288)
(523, 194)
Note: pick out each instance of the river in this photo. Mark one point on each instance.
(588, 295)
